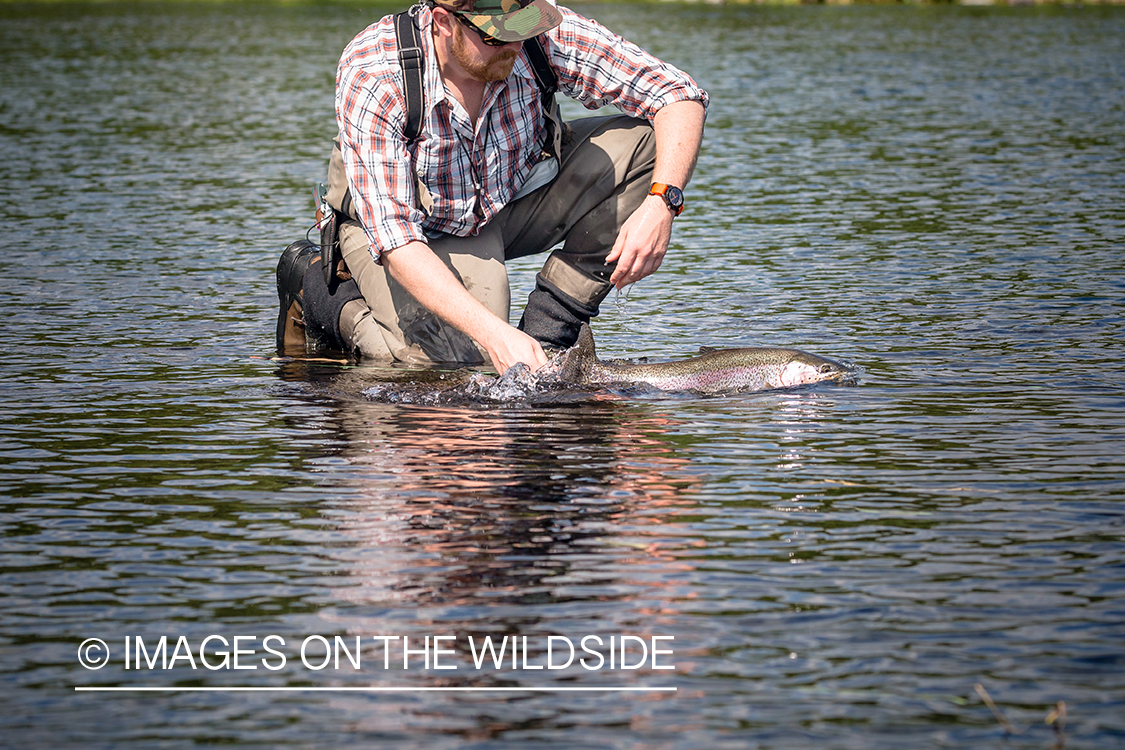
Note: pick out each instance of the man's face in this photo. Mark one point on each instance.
(481, 62)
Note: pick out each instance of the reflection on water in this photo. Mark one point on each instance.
(932, 193)
(461, 506)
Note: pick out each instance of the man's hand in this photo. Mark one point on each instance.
(507, 345)
(641, 243)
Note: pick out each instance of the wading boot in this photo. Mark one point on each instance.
(322, 303)
(295, 260)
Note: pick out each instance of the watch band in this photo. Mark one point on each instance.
(672, 195)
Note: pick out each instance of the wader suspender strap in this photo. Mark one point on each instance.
(541, 67)
(548, 84)
(411, 61)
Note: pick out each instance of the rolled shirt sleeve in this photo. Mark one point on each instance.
(598, 68)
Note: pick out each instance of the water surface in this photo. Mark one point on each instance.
(931, 193)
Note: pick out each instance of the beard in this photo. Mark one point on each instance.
(496, 68)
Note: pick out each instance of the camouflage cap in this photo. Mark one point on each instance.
(507, 20)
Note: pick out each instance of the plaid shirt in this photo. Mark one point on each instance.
(456, 160)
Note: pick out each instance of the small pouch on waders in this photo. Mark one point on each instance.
(328, 223)
(334, 204)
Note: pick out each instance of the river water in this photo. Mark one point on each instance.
(932, 193)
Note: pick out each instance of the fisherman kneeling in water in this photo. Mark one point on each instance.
(451, 159)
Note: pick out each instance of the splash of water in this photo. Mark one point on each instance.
(518, 385)
(515, 384)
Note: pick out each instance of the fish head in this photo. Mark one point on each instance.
(805, 368)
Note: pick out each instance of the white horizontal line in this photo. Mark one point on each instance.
(309, 689)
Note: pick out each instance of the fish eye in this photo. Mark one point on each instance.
(825, 368)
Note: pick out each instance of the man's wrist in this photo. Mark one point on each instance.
(672, 195)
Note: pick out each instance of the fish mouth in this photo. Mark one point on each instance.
(846, 375)
(805, 370)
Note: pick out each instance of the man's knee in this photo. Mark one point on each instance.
(627, 143)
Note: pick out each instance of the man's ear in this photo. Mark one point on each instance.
(443, 22)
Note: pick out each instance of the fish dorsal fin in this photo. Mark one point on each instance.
(585, 341)
(580, 358)
(707, 349)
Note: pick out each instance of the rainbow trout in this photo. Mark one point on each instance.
(715, 371)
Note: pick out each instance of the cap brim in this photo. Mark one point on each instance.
(525, 23)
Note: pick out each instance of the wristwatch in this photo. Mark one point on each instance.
(672, 195)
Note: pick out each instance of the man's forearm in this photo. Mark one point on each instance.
(679, 132)
(643, 240)
(429, 280)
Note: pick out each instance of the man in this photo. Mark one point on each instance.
(428, 223)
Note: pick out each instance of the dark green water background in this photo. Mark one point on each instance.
(934, 193)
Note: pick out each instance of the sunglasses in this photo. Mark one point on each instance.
(491, 41)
